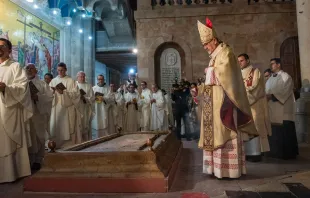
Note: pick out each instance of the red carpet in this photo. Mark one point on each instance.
(194, 195)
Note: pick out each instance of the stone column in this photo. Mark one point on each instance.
(303, 21)
(77, 46)
(65, 50)
(89, 48)
(303, 103)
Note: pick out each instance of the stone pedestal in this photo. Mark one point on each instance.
(303, 21)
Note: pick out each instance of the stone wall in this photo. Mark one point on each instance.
(257, 30)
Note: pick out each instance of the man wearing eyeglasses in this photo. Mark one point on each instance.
(281, 102)
(15, 111)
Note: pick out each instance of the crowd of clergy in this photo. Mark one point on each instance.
(68, 111)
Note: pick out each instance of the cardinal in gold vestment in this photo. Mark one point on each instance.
(226, 119)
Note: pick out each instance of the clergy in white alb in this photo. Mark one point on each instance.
(168, 108)
(120, 107)
(15, 112)
(145, 105)
(255, 88)
(100, 120)
(42, 97)
(281, 102)
(85, 105)
(65, 123)
(112, 109)
(132, 115)
(159, 119)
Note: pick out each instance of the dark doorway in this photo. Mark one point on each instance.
(289, 54)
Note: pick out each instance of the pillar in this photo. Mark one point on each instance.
(65, 47)
(89, 48)
(303, 21)
(303, 103)
(77, 46)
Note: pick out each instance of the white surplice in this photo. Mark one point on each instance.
(281, 86)
(111, 112)
(100, 120)
(132, 115)
(15, 112)
(158, 116)
(120, 108)
(39, 121)
(86, 109)
(168, 110)
(65, 123)
(145, 105)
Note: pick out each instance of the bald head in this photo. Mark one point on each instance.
(81, 77)
(31, 71)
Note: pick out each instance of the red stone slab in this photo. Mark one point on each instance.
(96, 185)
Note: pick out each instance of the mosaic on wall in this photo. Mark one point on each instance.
(34, 41)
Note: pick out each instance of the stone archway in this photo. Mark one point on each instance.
(169, 64)
(150, 61)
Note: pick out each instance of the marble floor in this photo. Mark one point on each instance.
(270, 175)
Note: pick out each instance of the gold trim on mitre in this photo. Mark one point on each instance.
(206, 33)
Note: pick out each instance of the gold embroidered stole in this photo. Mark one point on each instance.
(207, 116)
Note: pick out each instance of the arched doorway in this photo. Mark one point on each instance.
(169, 64)
(289, 54)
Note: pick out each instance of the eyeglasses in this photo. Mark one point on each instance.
(3, 46)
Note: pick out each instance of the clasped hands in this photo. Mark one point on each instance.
(131, 102)
(58, 90)
(153, 101)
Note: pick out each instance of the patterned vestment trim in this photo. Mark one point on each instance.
(207, 109)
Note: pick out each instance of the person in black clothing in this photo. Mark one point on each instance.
(180, 96)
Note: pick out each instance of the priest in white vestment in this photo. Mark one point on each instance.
(65, 123)
(158, 114)
(132, 115)
(85, 105)
(281, 102)
(112, 109)
(226, 119)
(120, 100)
(101, 119)
(255, 87)
(145, 104)
(168, 108)
(42, 97)
(15, 112)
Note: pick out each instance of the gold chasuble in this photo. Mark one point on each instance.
(219, 101)
(226, 119)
